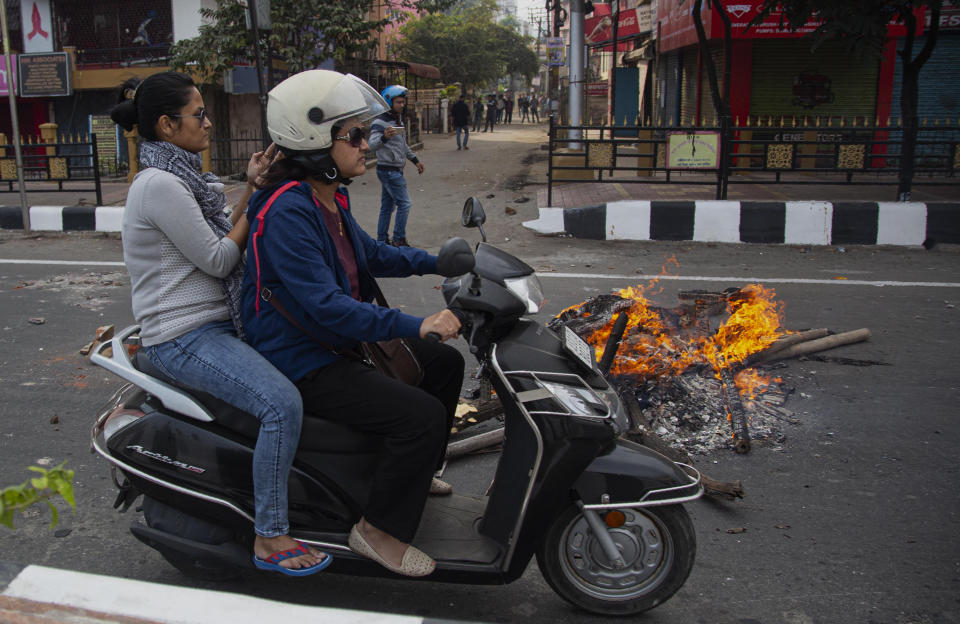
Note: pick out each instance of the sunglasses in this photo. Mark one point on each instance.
(202, 115)
(356, 136)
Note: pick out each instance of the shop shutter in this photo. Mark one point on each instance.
(939, 81)
(707, 111)
(789, 80)
(669, 83)
(688, 90)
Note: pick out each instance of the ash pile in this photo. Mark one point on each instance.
(699, 376)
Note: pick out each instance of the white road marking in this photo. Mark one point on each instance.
(679, 278)
(62, 262)
(760, 280)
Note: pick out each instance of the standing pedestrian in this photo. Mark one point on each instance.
(388, 140)
(501, 105)
(508, 109)
(524, 108)
(535, 108)
(491, 114)
(461, 121)
(477, 114)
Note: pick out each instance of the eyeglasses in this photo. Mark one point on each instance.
(202, 115)
(356, 136)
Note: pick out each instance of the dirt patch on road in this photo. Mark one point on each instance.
(91, 291)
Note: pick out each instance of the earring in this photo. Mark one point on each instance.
(331, 174)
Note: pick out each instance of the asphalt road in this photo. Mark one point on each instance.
(853, 518)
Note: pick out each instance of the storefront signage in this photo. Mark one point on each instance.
(44, 75)
(598, 28)
(949, 15)
(597, 89)
(693, 150)
(679, 31)
(555, 48)
(35, 25)
(107, 145)
(6, 77)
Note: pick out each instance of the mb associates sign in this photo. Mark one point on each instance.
(44, 75)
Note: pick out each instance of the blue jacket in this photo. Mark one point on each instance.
(297, 260)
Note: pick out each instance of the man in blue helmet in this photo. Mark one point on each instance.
(388, 140)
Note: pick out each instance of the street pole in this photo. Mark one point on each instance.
(576, 70)
(553, 93)
(252, 8)
(613, 69)
(14, 118)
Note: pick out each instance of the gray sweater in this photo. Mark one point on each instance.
(176, 262)
(392, 152)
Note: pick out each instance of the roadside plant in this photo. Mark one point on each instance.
(50, 484)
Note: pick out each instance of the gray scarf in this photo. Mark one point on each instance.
(208, 192)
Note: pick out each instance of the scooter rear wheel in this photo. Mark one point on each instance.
(657, 544)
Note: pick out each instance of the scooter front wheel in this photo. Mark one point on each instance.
(657, 544)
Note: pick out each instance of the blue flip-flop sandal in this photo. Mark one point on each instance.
(272, 563)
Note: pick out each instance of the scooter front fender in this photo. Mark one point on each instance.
(632, 476)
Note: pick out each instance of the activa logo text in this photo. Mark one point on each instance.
(163, 458)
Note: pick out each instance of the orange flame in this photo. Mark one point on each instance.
(652, 349)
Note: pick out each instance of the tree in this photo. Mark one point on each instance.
(304, 33)
(721, 99)
(861, 25)
(467, 46)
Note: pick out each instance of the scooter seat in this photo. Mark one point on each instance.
(317, 434)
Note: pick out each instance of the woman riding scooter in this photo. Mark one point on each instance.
(184, 259)
(308, 302)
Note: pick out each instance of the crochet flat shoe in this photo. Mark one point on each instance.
(415, 562)
(440, 488)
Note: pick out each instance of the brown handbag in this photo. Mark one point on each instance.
(394, 358)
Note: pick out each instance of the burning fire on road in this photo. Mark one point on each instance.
(689, 374)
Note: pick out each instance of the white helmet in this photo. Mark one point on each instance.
(302, 110)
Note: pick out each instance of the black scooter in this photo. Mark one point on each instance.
(604, 516)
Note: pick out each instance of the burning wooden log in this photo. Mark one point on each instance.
(820, 344)
(786, 341)
(735, 412)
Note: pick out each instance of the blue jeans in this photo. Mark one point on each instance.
(466, 135)
(393, 193)
(211, 358)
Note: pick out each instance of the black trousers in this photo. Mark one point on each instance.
(413, 421)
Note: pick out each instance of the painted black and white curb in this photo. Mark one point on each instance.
(154, 602)
(64, 218)
(792, 223)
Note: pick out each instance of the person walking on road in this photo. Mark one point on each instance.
(388, 140)
(461, 121)
(491, 114)
(477, 114)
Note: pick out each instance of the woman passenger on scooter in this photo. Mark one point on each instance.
(184, 258)
(308, 300)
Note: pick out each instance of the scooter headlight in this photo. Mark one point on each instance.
(528, 290)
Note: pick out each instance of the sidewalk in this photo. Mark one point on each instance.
(774, 213)
(42, 595)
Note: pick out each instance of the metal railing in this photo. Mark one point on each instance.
(46, 163)
(783, 151)
(229, 156)
(100, 58)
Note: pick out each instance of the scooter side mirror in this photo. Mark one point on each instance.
(455, 258)
(474, 216)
